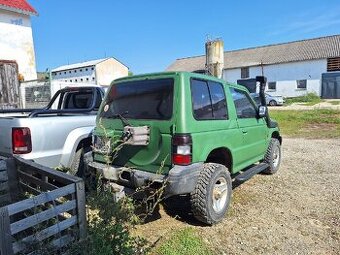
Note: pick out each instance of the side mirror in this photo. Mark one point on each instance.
(262, 111)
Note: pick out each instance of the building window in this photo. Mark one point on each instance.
(75, 71)
(86, 69)
(75, 80)
(92, 68)
(93, 78)
(244, 72)
(272, 85)
(87, 79)
(69, 71)
(70, 80)
(60, 73)
(301, 84)
(333, 64)
(64, 72)
(81, 79)
(80, 70)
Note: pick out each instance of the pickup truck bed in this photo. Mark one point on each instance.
(52, 136)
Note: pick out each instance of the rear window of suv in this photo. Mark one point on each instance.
(144, 99)
(208, 100)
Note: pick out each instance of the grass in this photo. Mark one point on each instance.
(334, 102)
(318, 123)
(307, 99)
(184, 242)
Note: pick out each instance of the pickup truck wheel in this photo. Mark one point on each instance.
(273, 156)
(78, 165)
(212, 194)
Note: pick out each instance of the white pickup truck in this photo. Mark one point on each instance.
(57, 135)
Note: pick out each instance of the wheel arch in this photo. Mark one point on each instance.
(221, 155)
(277, 136)
(75, 139)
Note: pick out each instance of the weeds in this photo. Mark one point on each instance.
(309, 124)
(109, 227)
(307, 99)
(184, 242)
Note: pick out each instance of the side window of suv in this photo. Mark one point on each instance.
(208, 100)
(244, 107)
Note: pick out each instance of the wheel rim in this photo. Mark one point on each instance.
(220, 193)
(276, 156)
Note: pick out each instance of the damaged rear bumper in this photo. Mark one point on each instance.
(180, 179)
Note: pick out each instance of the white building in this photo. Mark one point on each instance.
(292, 69)
(100, 72)
(16, 40)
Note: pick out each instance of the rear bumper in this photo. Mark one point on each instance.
(180, 179)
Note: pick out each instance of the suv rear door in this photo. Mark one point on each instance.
(144, 102)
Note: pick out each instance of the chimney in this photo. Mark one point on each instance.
(214, 57)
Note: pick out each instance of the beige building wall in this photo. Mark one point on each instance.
(16, 42)
(109, 70)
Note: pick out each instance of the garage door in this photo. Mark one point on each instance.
(330, 85)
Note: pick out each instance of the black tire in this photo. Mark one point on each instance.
(202, 199)
(78, 167)
(272, 103)
(273, 156)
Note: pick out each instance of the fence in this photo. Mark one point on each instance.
(41, 208)
(35, 94)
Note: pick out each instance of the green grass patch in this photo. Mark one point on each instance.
(334, 102)
(307, 99)
(319, 123)
(184, 242)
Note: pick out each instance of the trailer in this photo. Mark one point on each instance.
(40, 208)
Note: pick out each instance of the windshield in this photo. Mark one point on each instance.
(144, 99)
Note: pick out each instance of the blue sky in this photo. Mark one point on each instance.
(149, 35)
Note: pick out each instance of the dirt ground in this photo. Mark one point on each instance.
(296, 211)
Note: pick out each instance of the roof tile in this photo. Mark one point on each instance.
(18, 5)
(317, 48)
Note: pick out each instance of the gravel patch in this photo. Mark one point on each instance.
(296, 211)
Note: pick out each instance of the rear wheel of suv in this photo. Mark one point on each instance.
(273, 156)
(212, 194)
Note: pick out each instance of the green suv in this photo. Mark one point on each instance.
(190, 133)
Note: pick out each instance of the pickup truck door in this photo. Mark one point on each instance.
(252, 129)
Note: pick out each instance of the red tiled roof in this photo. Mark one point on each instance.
(21, 6)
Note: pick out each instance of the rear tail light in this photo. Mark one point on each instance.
(21, 140)
(181, 149)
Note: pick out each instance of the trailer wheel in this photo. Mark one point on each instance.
(212, 194)
(273, 156)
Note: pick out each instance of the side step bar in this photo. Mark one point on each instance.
(246, 175)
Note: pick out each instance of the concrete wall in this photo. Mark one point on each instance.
(109, 70)
(286, 75)
(16, 42)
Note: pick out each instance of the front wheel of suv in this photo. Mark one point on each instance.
(212, 194)
(273, 156)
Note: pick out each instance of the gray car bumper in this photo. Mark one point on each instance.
(180, 179)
